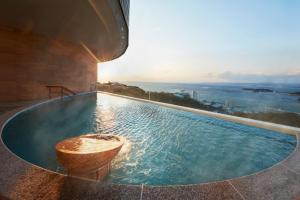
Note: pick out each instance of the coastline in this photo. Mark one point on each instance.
(284, 118)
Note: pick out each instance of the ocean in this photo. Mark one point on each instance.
(233, 96)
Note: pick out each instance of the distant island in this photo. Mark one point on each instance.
(258, 89)
(295, 93)
(183, 99)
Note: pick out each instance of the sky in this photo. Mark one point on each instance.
(194, 41)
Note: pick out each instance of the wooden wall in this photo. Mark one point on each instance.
(29, 62)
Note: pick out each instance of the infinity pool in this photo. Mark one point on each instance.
(164, 146)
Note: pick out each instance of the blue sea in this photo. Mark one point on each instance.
(233, 97)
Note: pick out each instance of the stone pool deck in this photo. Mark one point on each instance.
(22, 180)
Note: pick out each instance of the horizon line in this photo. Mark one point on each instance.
(283, 83)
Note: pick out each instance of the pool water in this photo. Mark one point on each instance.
(164, 146)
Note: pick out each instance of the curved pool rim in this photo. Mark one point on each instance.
(260, 124)
(250, 122)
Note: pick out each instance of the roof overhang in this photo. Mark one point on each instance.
(100, 26)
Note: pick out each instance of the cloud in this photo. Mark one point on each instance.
(256, 78)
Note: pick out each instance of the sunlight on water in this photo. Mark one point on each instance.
(163, 146)
(123, 155)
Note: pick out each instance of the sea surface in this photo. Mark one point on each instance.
(233, 97)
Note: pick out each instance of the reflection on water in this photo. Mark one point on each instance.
(164, 146)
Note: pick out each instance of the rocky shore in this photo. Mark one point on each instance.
(286, 118)
(172, 98)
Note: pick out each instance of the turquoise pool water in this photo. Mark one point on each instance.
(165, 146)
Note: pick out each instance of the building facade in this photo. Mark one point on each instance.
(57, 42)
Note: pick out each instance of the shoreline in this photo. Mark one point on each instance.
(284, 118)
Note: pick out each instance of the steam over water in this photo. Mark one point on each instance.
(164, 146)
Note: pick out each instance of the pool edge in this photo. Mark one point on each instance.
(241, 120)
(22, 180)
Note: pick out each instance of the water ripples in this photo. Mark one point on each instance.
(163, 146)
